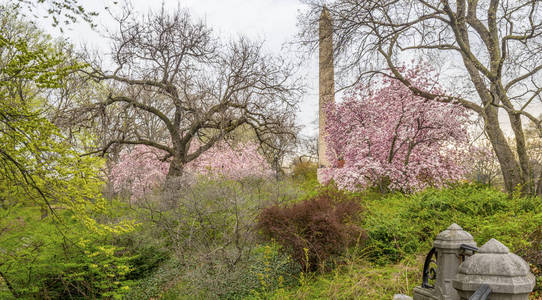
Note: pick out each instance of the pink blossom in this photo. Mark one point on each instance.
(388, 137)
(143, 168)
(138, 170)
(233, 163)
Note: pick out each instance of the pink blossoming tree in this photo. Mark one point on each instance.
(138, 171)
(143, 168)
(390, 138)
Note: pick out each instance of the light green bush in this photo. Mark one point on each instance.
(401, 225)
(45, 259)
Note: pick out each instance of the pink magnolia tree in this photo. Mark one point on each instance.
(143, 168)
(388, 137)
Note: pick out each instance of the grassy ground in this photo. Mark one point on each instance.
(356, 280)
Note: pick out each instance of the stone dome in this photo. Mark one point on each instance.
(453, 237)
(494, 265)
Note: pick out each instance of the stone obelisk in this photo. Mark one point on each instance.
(326, 81)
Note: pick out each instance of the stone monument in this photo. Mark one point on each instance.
(326, 81)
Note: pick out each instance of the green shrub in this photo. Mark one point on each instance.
(265, 271)
(145, 261)
(304, 170)
(207, 231)
(402, 225)
(156, 283)
(44, 259)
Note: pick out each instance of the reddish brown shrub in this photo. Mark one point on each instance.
(314, 230)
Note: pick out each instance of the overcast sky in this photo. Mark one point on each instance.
(273, 21)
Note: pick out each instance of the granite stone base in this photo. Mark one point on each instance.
(424, 294)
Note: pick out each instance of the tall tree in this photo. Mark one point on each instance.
(494, 44)
(172, 72)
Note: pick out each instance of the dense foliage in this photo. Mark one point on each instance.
(400, 231)
(402, 225)
(46, 259)
(388, 137)
(208, 232)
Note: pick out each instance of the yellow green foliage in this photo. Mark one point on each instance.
(43, 258)
(51, 242)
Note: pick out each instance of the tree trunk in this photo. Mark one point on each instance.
(44, 211)
(538, 188)
(521, 149)
(509, 166)
(175, 168)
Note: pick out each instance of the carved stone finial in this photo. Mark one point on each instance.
(454, 226)
(507, 274)
(494, 246)
(453, 237)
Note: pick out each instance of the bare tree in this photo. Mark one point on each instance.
(283, 149)
(175, 83)
(495, 45)
(307, 148)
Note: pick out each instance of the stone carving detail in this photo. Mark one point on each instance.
(507, 274)
(462, 270)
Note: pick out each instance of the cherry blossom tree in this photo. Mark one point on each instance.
(144, 167)
(238, 162)
(138, 171)
(386, 136)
